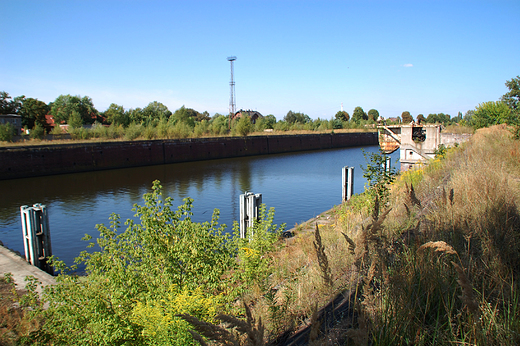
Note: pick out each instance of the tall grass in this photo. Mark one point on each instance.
(439, 265)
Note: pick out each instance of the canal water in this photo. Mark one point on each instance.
(298, 185)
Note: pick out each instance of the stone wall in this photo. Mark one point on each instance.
(31, 161)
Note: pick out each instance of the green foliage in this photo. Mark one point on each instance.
(270, 121)
(492, 113)
(254, 267)
(219, 125)
(33, 112)
(133, 131)
(64, 105)
(342, 116)
(37, 132)
(8, 105)
(160, 265)
(421, 119)
(116, 115)
(359, 115)
(378, 176)
(337, 124)
(407, 117)
(7, 131)
(512, 97)
(154, 112)
(158, 320)
(184, 115)
(439, 118)
(243, 126)
(373, 115)
(296, 117)
(441, 151)
(74, 120)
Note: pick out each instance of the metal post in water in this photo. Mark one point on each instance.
(347, 183)
(36, 236)
(249, 211)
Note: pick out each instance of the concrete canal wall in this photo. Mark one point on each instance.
(31, 161)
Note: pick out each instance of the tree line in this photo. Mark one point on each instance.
(157, 121)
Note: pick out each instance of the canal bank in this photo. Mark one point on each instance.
(33, 161)
(20, 269)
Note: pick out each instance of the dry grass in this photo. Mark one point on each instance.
(226, 334)
(464, 210)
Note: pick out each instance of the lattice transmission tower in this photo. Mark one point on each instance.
(232, 99)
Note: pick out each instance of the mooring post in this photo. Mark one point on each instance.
(249, 211)
(36, 236)
(388, 164)
(347, 183)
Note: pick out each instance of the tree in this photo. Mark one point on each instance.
(493, 113)
(512, 97)
(440, 118)
(293, 117)
(135, 115)
(421, 119)
(342, 116)
(184, 115)
(33, 112)
(116, 115)
(219, 124)
(154, 112)
(64, 105)
(9, 105)
(359, 114)
(407, 117)
(373, 115)
(270, 121)
(202, 116)
(244, 126)
(75, 120)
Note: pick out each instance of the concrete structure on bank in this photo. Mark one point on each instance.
(418, 143)
(32, 161)
(11, 262)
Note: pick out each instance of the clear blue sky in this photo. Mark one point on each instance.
(306, 56)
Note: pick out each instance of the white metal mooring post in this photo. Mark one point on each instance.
(36, 236)
(249, 211)
(347, 179)
(388, 164)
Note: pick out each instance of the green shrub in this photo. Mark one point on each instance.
(243, 126)
(133, 131)
(7, 132)
(38, 132)
(140, 278)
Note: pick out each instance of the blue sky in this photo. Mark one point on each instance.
(306, 56)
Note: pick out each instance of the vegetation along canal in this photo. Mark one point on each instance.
(298, 185)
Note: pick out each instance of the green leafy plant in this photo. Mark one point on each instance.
(378, 176)
(163, 258)
(254, 265)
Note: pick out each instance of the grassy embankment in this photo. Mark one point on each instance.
(440, 264)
